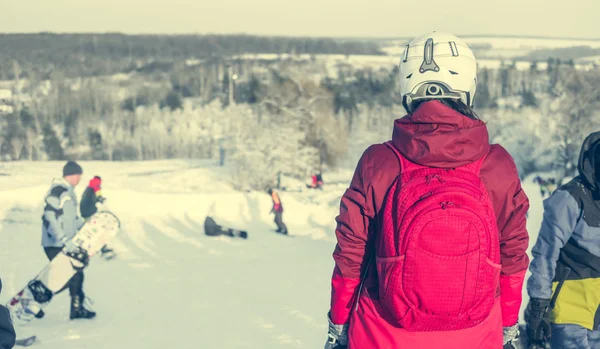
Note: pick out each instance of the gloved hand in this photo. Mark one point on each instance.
(101, 199)
(70, 246)
(510, 335)
(76, 253)
(337, 338)
(538, 322)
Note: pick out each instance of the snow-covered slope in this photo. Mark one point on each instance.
(171, 286)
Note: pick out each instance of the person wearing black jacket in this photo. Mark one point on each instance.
(564, 306)
(7, 330)
(91, 199)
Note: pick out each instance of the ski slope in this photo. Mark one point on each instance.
(171, 286)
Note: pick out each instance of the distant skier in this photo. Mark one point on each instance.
(278, 211)
(564, 289)
(319, 180)
(91, 200)
(60, 223)
(316, 181)
(543, 185)
(551, 186)
(7, 330)
(432, 238)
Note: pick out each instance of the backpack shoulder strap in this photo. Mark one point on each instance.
(405, 164)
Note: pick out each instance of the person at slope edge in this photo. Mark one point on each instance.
(564, 287)
(278, 211)
(431, 235)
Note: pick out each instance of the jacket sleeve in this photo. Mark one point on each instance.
(514, 241)
(7, 330)
(561, 213)
(54, 208)
(356, 213)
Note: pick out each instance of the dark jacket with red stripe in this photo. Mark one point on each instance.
(434, 135)
(7, 330)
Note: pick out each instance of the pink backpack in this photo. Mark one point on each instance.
(438, 254)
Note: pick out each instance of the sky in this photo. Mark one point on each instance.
(349, 18)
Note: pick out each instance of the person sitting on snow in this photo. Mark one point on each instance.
(319, 180)
(564, 305)
(91, 200)
(316, 181)
(278, 210)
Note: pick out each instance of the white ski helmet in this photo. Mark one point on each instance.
(437, 66)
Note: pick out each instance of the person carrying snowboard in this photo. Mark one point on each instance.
(7, 330)
(90, 201)
(278, 211)
(564, 287)
(60, 223)
(431, 235)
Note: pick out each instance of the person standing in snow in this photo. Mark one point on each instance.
(543, 185)
(414, 268)
(90, 201)
(551, 186)
(7, 330)
(278, 211)
(60, 223)
(564, 287)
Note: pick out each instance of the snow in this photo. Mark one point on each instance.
(172, 286)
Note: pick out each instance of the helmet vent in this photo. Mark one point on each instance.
(453, 48)
(428, 63)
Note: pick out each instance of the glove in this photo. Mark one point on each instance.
(510, 335)
(538, 322)
(70, 246)
(101, 199)
(78, 255)
(337, 338)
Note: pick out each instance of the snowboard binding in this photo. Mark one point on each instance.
(81, 256)
(40, 292)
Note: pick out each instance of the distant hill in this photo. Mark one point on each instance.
(527, 48)
(102, 54)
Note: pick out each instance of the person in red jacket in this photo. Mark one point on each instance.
(278, 211)
(441, 144)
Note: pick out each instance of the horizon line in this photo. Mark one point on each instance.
(374, 38)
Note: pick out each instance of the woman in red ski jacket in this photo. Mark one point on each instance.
(441, 131)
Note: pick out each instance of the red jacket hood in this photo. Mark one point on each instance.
(95, 184)
(438, 136)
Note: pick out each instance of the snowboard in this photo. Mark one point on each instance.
(211, 228)
(36, 295)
